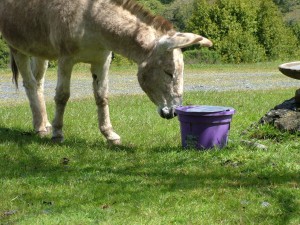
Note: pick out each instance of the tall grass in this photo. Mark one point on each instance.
(150, 179)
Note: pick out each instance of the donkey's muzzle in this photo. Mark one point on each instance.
(167, 113)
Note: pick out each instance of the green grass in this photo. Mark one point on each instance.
(150, 179)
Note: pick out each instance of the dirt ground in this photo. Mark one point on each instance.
(81, 86)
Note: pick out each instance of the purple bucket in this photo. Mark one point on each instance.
(204, 127)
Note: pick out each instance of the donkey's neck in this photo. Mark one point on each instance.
(128, 33)
(135, 44)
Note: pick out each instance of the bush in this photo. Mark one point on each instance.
(154, 6)
(241, 47)
(52, 64)
(178, 12)
(244, 31)
(119, 60)
(278, 40)
(202, 55)
(4, 54)
(296, 29)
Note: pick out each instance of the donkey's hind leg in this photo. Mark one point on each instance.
(33, 91)
(100, 84)
(39, 67)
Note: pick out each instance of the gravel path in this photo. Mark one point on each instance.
(128, 84)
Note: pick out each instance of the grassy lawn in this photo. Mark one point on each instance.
(150, 179)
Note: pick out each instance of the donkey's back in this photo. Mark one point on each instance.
(46, 28)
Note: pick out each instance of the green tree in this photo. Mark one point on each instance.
(296, 29)
(178, 12)
(286, 5)
(154, 6)
(278, 40)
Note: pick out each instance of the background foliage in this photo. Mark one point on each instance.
(242, 31)
(4, 55)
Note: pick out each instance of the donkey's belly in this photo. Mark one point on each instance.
(36, 49)
(33, 43)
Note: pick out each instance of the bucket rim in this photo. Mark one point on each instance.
(205, 110)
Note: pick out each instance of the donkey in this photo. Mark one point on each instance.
(87, 31)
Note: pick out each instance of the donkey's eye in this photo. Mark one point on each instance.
(169, 74)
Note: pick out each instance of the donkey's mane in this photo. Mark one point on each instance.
(158, 22)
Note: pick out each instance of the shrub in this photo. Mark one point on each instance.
(296, 29)
(178, 12)
(244, 31)
(278, 40)
(202, 55)
(4, 54)
(240, 46)
(154, 6)
(119, 60)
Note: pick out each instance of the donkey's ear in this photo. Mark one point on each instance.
(181, 40)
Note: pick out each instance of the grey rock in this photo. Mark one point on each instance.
(254, 144)
(285, 116)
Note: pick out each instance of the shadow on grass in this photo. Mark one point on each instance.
(14, 135)
(23, 137)
(23, 152)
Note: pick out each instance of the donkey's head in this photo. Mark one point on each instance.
(161, 75)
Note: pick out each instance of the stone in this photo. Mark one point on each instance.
(297, 96)
(285, 116)
(254, 144)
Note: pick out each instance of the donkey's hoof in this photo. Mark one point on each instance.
(43, 133)
(49, 129)
(116, 142)
(57, 140)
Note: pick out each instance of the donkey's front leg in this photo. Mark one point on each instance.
(100, 85)
(62, 96)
